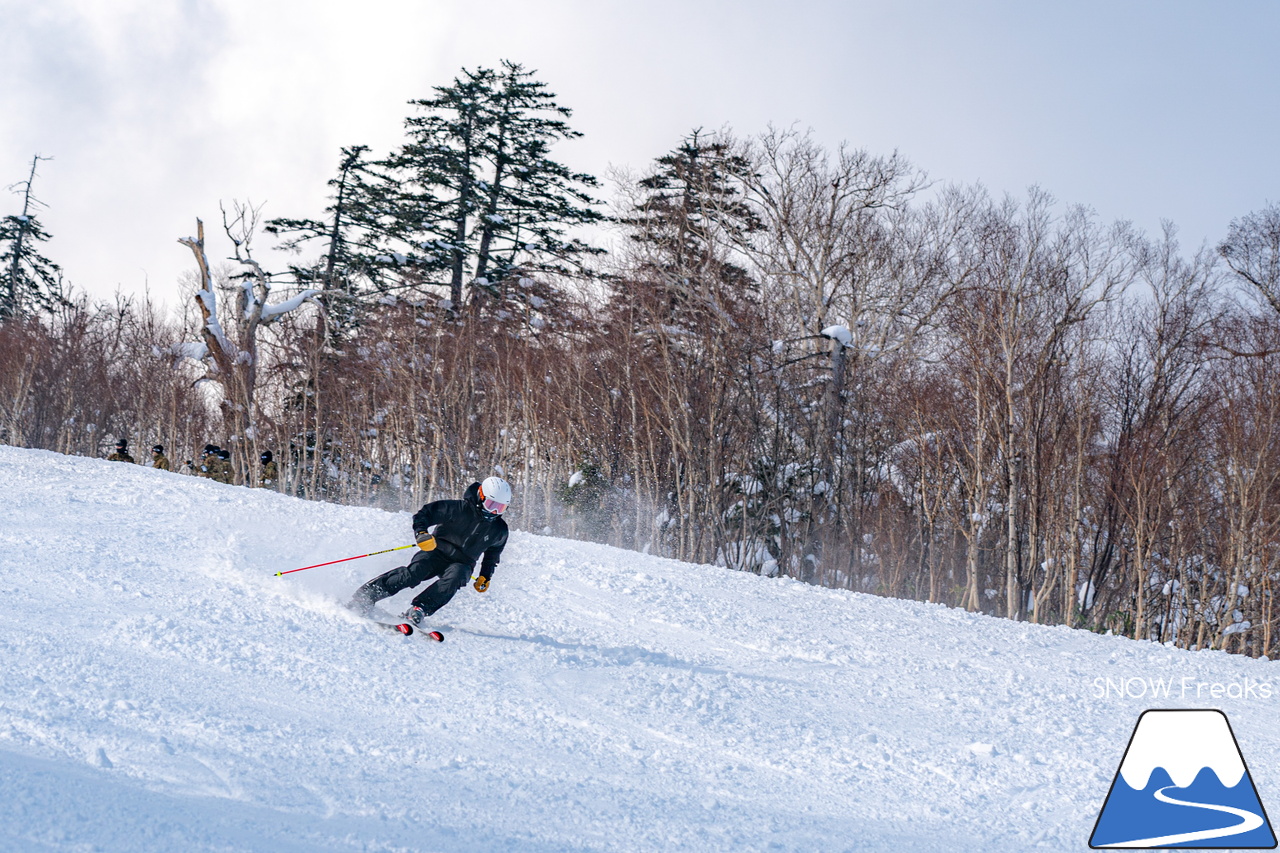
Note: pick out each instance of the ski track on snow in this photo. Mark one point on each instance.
(161, 690)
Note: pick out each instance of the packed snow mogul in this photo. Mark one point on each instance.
(452, 536)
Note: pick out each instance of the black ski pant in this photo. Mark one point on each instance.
(424, 566)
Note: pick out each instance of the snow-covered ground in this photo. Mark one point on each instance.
(161, 689)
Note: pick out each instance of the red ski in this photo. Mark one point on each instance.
(408, 630)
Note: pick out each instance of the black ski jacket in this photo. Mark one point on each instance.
(463, 532)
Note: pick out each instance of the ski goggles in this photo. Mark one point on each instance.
(493, 506)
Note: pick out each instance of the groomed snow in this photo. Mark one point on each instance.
(162, 690)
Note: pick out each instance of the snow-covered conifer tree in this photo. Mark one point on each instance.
(358, 239)
(480, 185)
(682, 313)
(685, 215)
(28, 280)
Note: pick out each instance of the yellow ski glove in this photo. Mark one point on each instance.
(425, 541)
(481, 584)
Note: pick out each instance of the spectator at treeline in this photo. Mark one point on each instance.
(215, 463)
(122, 452)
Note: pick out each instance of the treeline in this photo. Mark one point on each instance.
(793, 360)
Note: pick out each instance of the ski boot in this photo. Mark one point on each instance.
(416, 616)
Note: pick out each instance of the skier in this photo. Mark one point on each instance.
(122, 452)
(452, 534)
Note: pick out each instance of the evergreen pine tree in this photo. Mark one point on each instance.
(442, 162)
(28, 280)
(359, 237)
(688, 319)
(687, 210)
(481, 185)
(530, 200)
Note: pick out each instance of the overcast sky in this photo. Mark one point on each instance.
(153, 110)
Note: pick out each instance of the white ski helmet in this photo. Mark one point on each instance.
(495, 495)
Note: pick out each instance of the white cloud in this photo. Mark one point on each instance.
(156, 109)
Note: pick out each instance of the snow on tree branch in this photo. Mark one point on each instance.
(839, 333)
(272, 312)
(193, 350)
(205, 296)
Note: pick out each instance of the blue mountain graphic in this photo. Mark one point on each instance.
(1129, 815)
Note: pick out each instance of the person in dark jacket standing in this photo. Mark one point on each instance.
(452, 536)
(270, 471)
(122, 452)
(207, 465)
(158, 459)
(220, 466)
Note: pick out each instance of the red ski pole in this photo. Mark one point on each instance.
(345, 559)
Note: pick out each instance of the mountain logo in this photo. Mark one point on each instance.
(1183, 783)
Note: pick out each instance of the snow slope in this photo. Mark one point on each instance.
(161, 689)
